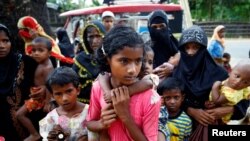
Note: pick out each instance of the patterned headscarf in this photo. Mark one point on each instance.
(100, 28)
(28, 24)
(197, 72)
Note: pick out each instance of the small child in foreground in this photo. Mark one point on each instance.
(66, 122)
(178, 122)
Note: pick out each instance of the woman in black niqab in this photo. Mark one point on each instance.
(164, 44)
(198, 72)
(66, 47)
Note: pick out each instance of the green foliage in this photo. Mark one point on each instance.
(96, 3)
(220, 10)
(65, 5)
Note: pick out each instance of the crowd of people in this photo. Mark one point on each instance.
(116, 86)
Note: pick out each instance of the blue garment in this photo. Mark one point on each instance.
(215, 49)
(163, 119)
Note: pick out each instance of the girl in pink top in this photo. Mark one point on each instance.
(126, 118)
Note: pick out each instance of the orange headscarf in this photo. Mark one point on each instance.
(28, 24)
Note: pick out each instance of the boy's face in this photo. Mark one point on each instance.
(239, 78)
(173, 100)
(108, 22)
(192, 48)
(65, 96)
(40, 52)
(148, 62)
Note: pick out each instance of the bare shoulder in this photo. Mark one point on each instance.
(42, 73)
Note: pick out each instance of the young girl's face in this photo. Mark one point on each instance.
(192, 48)
(239, 78)
(148, 62)
(126, 65)
(40, 52)
(65, 96)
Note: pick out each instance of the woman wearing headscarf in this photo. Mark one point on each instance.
(164, 44)
(29, 29)
(217, 44)
(66, 47)
(16, 78)
(198, 71)
(85, 64)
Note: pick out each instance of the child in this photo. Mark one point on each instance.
(69, 117)
(41, 48)
(148, 80)
(126, 118)
(108, 19)
(230, 91)
(179, 123)
(226, 62)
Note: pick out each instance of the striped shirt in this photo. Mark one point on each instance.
(183, 123)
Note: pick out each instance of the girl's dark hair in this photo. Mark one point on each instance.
(44, 40)
(115, 40)
(170, 83)
(62, 76)
(148, 46)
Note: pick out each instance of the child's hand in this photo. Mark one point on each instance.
(104, 82)
(209, 104)
(57, 133)
(108, 115)
(107, 97)
(120, 99)
(163, 70)
(37, 93)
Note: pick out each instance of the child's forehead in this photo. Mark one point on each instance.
(149, 55)
(149, 52)
(62, 85)
(244, 70)
(175, 91)
(128, 53)
(40, 44)
(108, 18)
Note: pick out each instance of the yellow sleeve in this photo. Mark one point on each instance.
(246, 93)
(231, 98)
